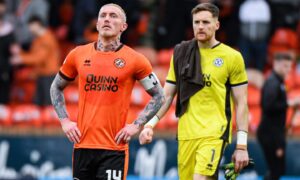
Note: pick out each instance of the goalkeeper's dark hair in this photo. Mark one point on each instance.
(213, 9)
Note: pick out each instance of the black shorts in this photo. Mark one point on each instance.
(99, 164)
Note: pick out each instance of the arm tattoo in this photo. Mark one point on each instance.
(153, 106)
(57, 96)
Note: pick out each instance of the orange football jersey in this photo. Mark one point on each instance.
(106, 80)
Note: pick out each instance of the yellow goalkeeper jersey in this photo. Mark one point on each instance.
(209, 111)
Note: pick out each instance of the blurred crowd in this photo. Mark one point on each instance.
(36, 35)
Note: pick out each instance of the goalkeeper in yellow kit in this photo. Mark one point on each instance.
(209, 78)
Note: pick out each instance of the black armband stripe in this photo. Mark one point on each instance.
(65, 77)
(238, 84)
(171, 82)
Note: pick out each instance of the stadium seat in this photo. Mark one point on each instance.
(254, 118)
(292, 80)
(164, 57)
(49, 116)
(284, 39)
(26, 114)
(296, 75)
(293, 120)
(139, 96)
(23, 91)
(255, 78)
(71, 94)
(169, 121)
(149, 53)
(253, 95)
(161, 73)
(5, 115)
(293, 93)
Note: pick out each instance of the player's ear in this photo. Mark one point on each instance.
(97, 26)
(217, 25)
(124, 27)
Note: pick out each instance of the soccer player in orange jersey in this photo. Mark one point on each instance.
(106, 71)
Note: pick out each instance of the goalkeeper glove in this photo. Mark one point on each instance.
(229, 170)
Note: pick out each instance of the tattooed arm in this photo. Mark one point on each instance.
(57, 97)
(152, 107)
(154, 89)
(146, 134)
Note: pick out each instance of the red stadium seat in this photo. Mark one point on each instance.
(26, 114)
(292, 80)
(164, 57)
(71, 94)
(49, 116)
(294, 121)
(293, 93)
(139, 96)
(253, 95)
(161, 73)
(255, 78)
(5, 115)
(170, 120)
(284, 39)
(149, 53)
(254, 118)
(23, 91)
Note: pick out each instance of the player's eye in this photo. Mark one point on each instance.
(113, 15)
(102, 15)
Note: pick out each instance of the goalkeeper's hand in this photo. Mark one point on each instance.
(229, 171)
(230, 174)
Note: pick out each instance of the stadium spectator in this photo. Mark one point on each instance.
(6, 42)
(169, 33)
(285, 13)
(204, 81)
(25, 10)
(271, 131)
(107, 71)
(255, 19)
(43, 55)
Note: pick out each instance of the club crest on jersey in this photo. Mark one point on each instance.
(119, 63)
(218, 62)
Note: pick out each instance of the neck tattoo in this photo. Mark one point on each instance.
(110, 46)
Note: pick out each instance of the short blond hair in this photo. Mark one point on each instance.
(123, 14)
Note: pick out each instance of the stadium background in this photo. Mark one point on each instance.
(32, 145)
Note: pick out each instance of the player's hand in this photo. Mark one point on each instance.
(230, 174)
(127, 132)
(71, 130)
(240, 159)
(146, 135)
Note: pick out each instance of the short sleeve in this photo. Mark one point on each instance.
(171, 78)
(143, 67)
(238, 75)
(68, 70)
